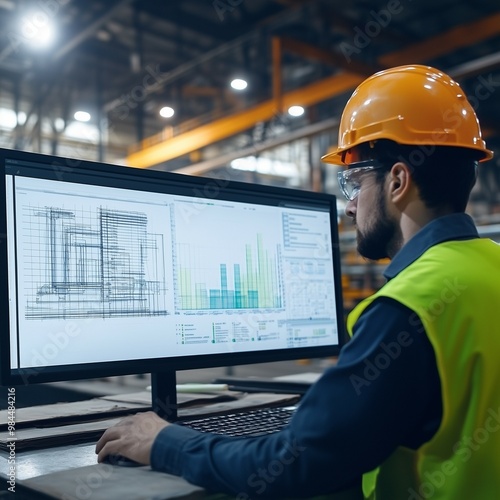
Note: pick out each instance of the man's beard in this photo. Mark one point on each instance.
(383, 238)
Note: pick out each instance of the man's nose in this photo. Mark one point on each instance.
(350, 208)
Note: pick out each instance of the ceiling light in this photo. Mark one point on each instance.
(7, 118)
(82, 116)
(295, 110)
(37, 29)
(167, 112)
(239, 84)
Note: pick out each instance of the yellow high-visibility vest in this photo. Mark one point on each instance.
(454, 288)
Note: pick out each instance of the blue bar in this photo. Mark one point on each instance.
(253, 298)
(237, 287)
(215, 299)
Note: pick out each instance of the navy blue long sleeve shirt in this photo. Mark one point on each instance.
(383, 393)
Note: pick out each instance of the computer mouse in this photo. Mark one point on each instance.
(121, 461)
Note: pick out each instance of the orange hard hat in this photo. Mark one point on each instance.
(413, 104)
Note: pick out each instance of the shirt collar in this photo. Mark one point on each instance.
(449, 227)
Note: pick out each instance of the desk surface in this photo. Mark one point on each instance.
(72, 472)
(35, 463)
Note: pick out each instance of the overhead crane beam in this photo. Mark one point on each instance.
(311, 94)
(230, 125)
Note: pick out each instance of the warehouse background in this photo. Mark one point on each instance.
(160, 85)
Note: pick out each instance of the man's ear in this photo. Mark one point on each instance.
(400, 182)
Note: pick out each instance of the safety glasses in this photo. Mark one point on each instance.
(350, 179)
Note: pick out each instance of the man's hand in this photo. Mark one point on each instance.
(133, 437)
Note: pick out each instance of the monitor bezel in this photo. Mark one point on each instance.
(68, 169)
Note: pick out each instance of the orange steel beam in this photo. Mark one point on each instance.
(231, 125)
(311, 94)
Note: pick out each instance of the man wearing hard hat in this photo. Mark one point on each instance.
(413, 404)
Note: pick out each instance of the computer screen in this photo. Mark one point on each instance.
(113, 270)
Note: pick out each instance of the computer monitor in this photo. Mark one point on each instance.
(111, 270)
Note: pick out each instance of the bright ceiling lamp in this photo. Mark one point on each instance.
(82, 116)
(37, 30)
(239, 84)
(167, 112)
(296, 110)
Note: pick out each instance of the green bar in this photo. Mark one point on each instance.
(256, 286)
(237, 287)
(186, 292)
(249, 284)
(261, 283)
(201, 301)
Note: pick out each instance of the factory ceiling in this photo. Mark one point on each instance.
(122, 61)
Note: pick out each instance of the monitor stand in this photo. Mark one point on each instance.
(164, 394)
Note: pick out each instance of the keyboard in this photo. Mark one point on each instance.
(248, 423)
